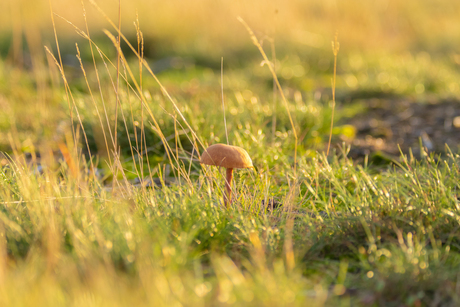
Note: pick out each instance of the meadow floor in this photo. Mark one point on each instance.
(103, 201)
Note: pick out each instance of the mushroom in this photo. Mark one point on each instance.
(229, 157)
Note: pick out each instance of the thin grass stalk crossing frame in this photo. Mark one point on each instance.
(275, 98)
(222, 93)
(259, 46)
(60, 65)
(335, 50)
(100, 90)
(71, 98)
(117, 91)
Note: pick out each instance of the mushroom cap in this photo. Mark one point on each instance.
(226, 156)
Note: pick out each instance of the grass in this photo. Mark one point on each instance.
(82, 224)
(72, 241)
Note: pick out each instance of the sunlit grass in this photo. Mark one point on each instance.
(82, 224)
(178, 244)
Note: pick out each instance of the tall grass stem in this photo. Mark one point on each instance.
(222, 92)
(335, 50)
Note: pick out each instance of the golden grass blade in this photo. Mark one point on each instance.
(222, 93)
(272, 70)
(87, 36)
(335, 50)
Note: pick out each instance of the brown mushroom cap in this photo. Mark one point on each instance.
(226, 156)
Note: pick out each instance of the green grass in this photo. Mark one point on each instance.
(78, 226)
(357, 236)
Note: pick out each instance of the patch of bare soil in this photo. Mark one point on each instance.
(389, 123)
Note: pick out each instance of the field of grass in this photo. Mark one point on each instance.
(103, 201)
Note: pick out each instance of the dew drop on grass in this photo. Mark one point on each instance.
(248, 295)
(130, 258)
(419, 88)
(289, 296)
(108, 244)
(202, 289)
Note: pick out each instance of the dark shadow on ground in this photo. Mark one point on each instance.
(389, 123)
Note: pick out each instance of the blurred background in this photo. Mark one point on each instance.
(397, 74)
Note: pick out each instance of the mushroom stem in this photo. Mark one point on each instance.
(228, 186)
